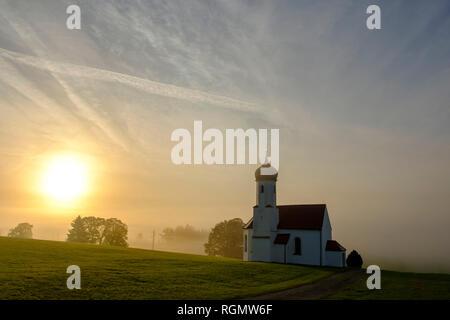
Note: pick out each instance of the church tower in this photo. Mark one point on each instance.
(265, 213)
(266, 179)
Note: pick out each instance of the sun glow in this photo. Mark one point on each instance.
(65, 179)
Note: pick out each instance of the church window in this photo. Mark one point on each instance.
(245, 243)
(298, 246)
(262, 189)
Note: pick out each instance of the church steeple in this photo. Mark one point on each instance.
(265, 213)
(266, 179)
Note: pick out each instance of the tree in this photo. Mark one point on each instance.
(95, 228)
(99, 231)
(186, 233)
(115, 233)
(78, 233)
(354, 260)
(225, 239)
(23, 230)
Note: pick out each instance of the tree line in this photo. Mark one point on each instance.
(91, 229)
(183, 233)
(101, 231)
(225, 239)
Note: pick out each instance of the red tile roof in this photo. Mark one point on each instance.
(281, 238)
(333, 245)
(301, 216)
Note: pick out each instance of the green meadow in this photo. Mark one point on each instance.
(36, 269)
(400, 286)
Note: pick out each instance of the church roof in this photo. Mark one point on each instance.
(300, 216)
(333, 245)
(282, 238)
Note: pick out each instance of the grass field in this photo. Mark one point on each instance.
(400, 286)
(36, 269)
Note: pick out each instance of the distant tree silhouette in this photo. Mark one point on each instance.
(354, 260)
(78, 233)
(225, 239)
(96, 230)
(23, 230)
(186, 233)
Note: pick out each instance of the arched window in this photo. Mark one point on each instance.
(298, 246)
(245, 243)
(262, 189)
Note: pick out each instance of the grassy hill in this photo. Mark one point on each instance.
(36, 269)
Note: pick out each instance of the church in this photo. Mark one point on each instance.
(295, 234)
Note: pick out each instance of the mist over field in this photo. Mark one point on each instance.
(364, 116)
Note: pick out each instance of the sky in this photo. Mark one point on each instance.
(364, 115)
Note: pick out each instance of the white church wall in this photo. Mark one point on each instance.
(335, 258)
(326, 233)
(265, 220)
(261, 249)
(266, 193)
(247, 236)
(278, 253)
(310, 245)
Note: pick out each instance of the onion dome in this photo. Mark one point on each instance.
(266, 173)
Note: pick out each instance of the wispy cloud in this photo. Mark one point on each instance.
(149, 86)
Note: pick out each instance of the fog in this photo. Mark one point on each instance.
(363, 116)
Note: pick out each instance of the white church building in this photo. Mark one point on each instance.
(296, 234)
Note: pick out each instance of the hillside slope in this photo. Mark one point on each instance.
(36, 269)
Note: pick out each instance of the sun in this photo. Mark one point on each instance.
(65, 179)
